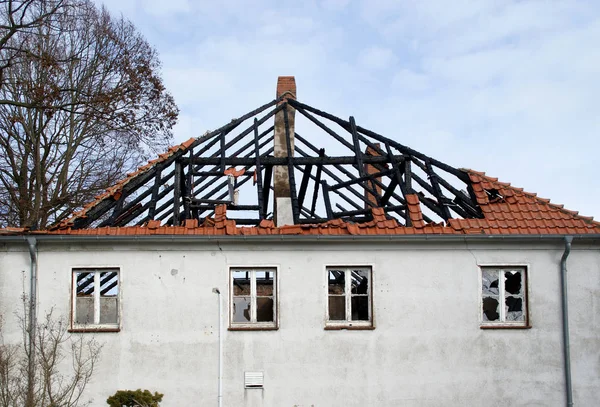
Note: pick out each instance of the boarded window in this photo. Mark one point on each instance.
(95, 298)
(253, 297)
(503, 296)
(349, 296)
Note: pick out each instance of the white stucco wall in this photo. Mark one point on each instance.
(427, 348)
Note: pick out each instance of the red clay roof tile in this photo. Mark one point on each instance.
(520, 213)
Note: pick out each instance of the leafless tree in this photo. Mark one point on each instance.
(84, 104)
(18, 17)
(35, 374)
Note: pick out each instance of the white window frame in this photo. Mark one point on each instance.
(502, 322)
(254, 325)
(96, 325)
(349, 323)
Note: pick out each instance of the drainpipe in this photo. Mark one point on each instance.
(32, 317)
(220, 379)
(565, 317)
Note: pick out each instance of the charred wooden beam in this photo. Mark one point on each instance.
(177, 192)
(398, 178)
(236, 122)
(222, 151)
(317, 183)
(389, 191)
(258, 173)
(358, 180)
(327, 200)
(132, 212)
(117, 211)
(322, 126)
(154, 198)
(249, 155)
(234, 154)
(346, 172)
(328, 172)
(108, 203)
(464, 200)
(437, 191)
(366, 211)
(342, 160)
(403, 149)
(185, 195)
(267, 188)
(360, 166)
(230, 206)
(306, 173)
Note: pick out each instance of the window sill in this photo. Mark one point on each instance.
(253, 328)
(349, 327)
(499, 326)
(95, 329)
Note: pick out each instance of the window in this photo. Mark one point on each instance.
(253, 298)
(349, 297)
(503, 297)
(95, 299)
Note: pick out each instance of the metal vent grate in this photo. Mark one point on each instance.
(254, 380)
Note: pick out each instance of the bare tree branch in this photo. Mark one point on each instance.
(81, 104)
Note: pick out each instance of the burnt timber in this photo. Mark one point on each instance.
(354, 170)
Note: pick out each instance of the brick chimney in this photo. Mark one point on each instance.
(371, 169)
(282, 204)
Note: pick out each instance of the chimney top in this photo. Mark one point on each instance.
(286, 87)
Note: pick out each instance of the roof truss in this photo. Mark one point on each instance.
(351, 171)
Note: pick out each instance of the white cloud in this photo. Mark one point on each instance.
(376, 58)
(335, 5)
(509, 87)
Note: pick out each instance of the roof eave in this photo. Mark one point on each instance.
(296, 238)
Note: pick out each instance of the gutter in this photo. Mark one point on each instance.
(289, 238)
(565, 318)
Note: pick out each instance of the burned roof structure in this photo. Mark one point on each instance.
(263, 172)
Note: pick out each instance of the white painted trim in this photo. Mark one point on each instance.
(97, 270)
(348, 295)
(503, 268)
(253, 302)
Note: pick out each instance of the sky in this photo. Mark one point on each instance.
(507, 87)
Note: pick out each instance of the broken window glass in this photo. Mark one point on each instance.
(241, 283)
(490, 309)
(241, 309)
(514, 309)
(253, 296)
(349, 294)
(512, 282)
(264, 283)
(507, 287)
(360, 281)
(490, 282)
(337, 282)
(264, 309)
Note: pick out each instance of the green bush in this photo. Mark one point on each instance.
(134, 398)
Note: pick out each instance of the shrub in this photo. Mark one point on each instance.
(134, 398)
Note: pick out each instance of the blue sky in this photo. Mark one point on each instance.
(506, 87)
